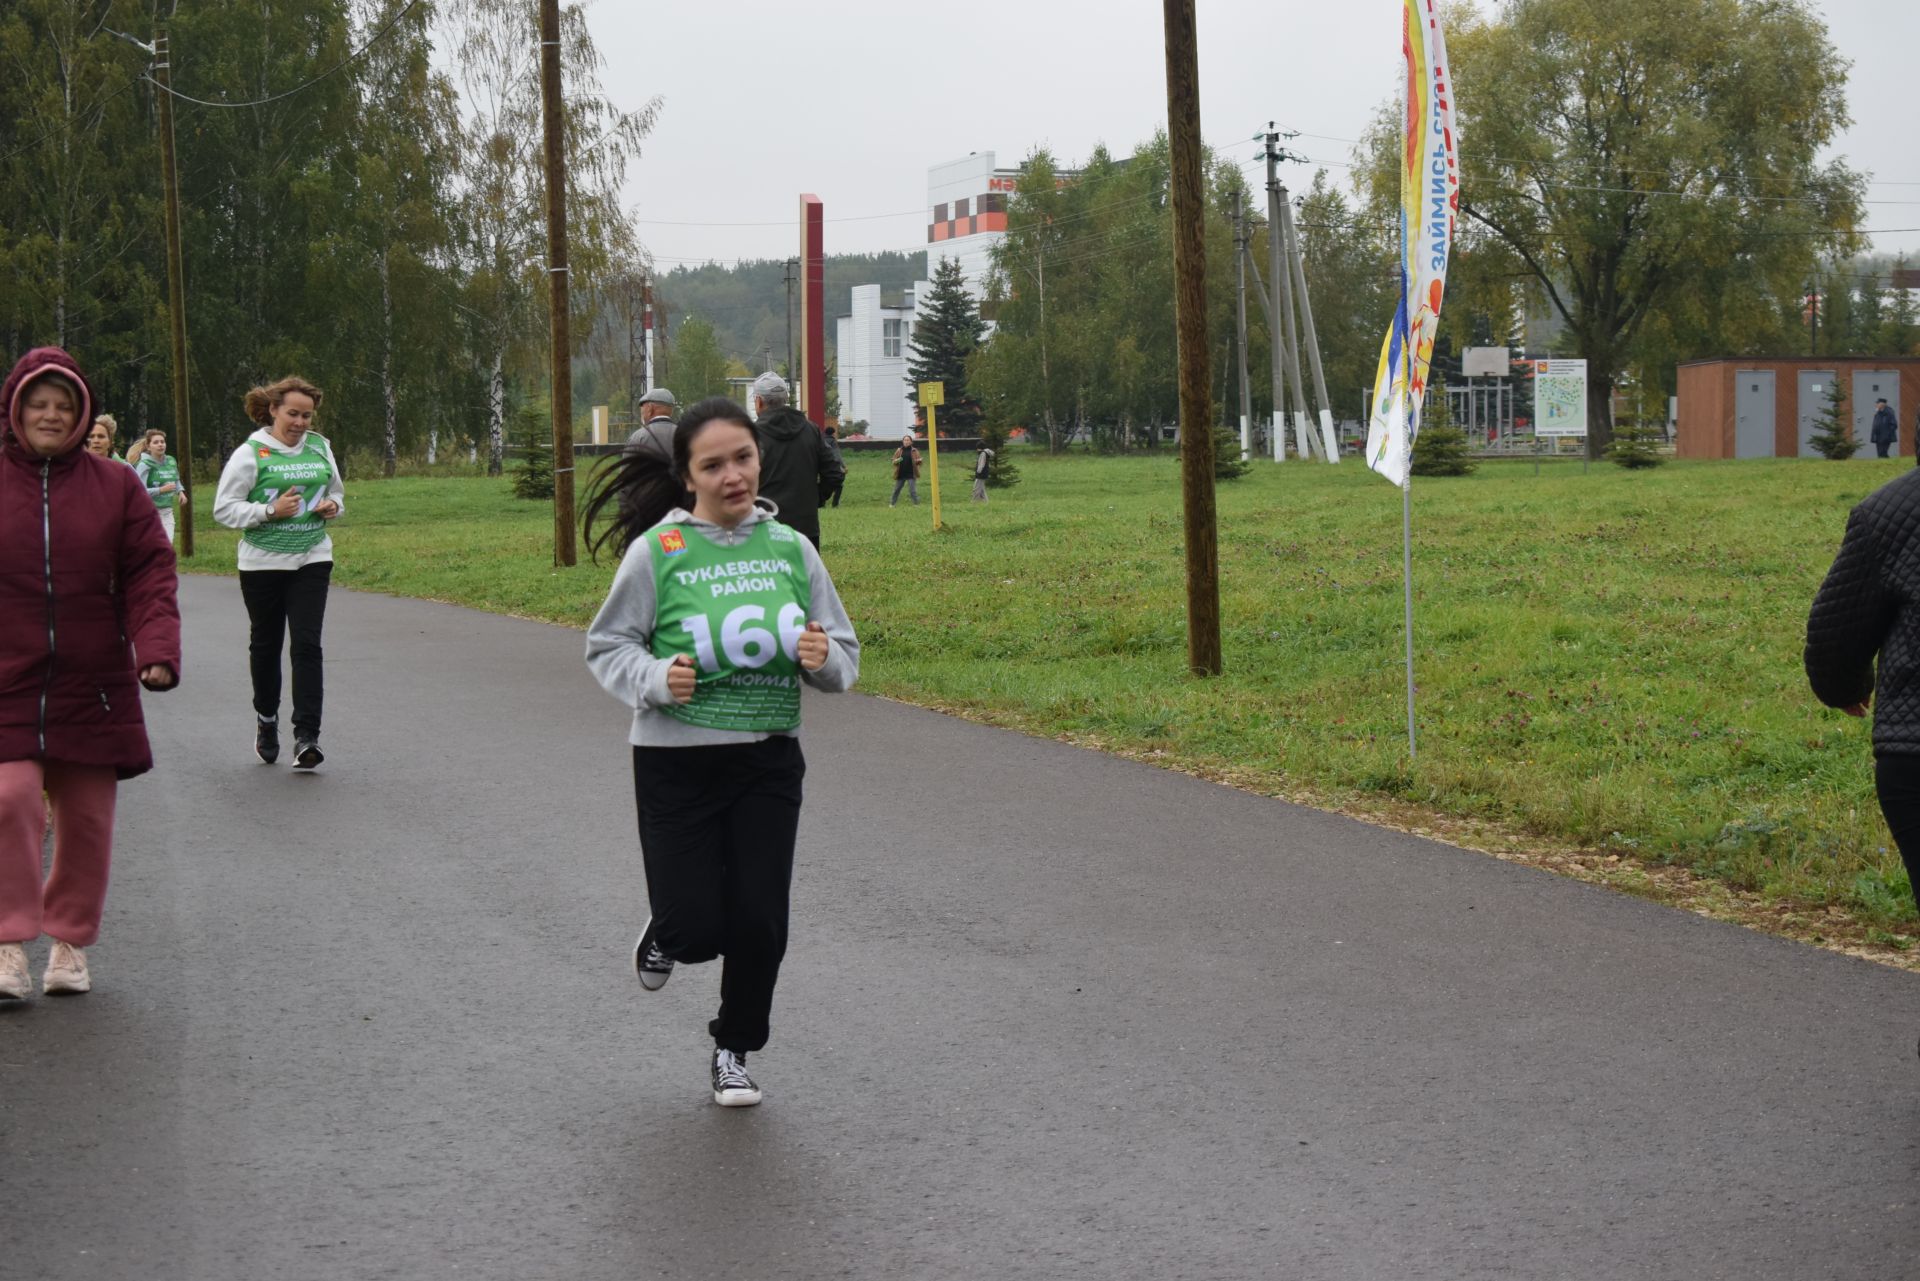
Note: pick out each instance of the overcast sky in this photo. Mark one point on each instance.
(854, 99)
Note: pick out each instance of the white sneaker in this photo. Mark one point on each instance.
(66, 971)
(732, 1087)
(15, 983)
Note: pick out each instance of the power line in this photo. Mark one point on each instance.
(335, 68)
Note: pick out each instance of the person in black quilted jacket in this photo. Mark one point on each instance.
(1868, 608)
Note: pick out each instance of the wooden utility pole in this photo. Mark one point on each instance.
(176, 290)
(554, 109)
(1240, 318)
(1190, 319)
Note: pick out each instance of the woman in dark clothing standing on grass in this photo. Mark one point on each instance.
(87, 616)
(717, 614)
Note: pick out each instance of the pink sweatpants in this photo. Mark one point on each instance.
(68, 907)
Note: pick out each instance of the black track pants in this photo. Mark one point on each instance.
(279, 601)
(717, 826)
(1896, 778)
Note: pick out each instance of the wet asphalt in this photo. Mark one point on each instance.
(1046, 1014)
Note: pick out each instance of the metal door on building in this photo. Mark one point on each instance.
(1813, 402)
(1870, 386)
(1753, 413)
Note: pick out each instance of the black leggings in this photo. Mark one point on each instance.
(279, 600)
(717, 827)
(1896, 777)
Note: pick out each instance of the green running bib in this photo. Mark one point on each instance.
(738, 612)
(308, 468)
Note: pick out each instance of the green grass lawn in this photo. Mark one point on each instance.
(1605, 658)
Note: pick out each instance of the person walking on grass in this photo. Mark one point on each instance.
(982, 468)
(1863, 648)
(797, 468)
(839, 475)
(716, 616)
(161, 475)
(280, 488)
(906, 470)
(88, 615)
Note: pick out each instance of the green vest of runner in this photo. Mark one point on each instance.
(308, 468)
(155, 474)
(738, 612)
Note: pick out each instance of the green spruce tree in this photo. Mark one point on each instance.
(945, 334)
(1832, 433)
(532, 438)
(1441, 448)
(1636, 445)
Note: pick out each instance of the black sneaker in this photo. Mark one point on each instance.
(652, 965)
(306, 752)
(266, 740)
(732, 1087)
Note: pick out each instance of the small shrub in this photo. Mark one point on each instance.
(1227, 462)
(1001, 471)
(1635, 446)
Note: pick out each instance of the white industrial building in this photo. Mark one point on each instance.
(966, 218)
(870, 357)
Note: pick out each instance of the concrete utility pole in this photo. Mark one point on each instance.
(1306, 324)
(176, 287)
(1240, 318)
(1274, 315)
(1190, 322)
(646, 303)
(553, 108)
(1283, 301)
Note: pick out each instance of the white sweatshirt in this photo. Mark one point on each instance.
(232, 509)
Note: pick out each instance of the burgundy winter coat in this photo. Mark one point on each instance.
(82, 610)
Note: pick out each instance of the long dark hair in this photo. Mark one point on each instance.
(649, 480)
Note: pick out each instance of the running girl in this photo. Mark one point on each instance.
(161, 475)
(716, 616)
(281, 487)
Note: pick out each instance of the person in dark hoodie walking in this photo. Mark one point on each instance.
(280, 488)
(715, 618)
(88, 615)
(1868, 608)
(797, 468)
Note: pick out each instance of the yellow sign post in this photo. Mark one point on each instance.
(932, 395)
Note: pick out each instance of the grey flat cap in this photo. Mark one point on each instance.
(660, 396)
(769, 386)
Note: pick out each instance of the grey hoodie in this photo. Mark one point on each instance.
(620, 649)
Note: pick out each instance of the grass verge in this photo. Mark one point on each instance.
(1608, 662)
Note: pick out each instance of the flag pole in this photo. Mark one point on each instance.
(1406, 577)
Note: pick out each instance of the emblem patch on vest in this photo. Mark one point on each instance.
(671, 542)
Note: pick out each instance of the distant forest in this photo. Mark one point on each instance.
(747, 304)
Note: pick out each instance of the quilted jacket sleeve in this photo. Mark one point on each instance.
(1850, 618)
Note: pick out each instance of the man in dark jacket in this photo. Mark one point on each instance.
(1869, 608)
(797, 469)
(1885, 429)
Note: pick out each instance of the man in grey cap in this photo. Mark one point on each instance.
(797, 468)
(656, 406)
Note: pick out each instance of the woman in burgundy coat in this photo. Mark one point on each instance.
(87, 609)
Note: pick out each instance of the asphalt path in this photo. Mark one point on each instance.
(1046, 1014)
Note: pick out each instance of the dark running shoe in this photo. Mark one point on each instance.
(732, 1087)
(652, 965)
(306, 752)
(266, 740)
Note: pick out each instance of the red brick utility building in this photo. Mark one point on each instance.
(1766, 408)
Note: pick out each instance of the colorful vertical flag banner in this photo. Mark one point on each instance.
(1429, 203)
